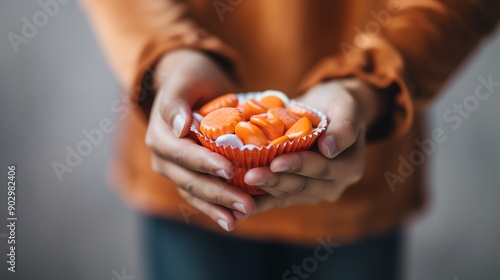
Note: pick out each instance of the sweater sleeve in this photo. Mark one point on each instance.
(135, 34)
(417, 47)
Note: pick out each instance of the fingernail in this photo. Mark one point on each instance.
(240, 207)
(223, 224)
(283, 168)
(260, 184)
(179, 121)
(222, 173)
(243, 218)
(331, 145)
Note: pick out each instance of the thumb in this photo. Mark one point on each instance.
(342, 132)
(176, 113)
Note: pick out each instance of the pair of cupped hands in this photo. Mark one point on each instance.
(187, 78)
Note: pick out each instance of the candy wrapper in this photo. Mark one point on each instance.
(249, 156)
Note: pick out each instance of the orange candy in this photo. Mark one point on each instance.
(263, 115)
(278, 125)
(287, 118)
(280, 140)
(253, 123)
(304, 112)
(267, 127)
(272, 101)
(228, 100)
(219, 122)
(255, 107)
(245, 110)
(301, 128)
(253, 132)
(250, 134)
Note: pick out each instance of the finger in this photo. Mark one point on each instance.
(176, 98)
(185, 152)
(183, 89)
(280, 185)
(176, 113)
(306, 163)
(313, 165)
(239, 216)
(219, 214)
(205, 187)
(347, 167)
(343, 129)
(262, 177)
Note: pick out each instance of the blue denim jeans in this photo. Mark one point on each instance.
(178, 251)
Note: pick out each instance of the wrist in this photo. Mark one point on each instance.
(206, 63)
(153, 79)
(172, 61)
(373, 104)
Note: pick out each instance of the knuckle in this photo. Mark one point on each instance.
(214, 191)
(178, 157)
(297, 160)
(209, 191)
(219, 198)
(304, 182)
(203, 165)
(189, 187)
(281, 196)
(322, 172)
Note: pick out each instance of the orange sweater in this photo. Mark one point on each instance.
(406, 49)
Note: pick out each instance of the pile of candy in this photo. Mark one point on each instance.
(269, 119)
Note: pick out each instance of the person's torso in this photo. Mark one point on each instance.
(283, 39)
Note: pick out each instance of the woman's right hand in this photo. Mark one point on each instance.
(186, 78)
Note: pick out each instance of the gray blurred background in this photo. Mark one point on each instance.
(58, 84)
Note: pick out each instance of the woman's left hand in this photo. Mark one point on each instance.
(308, 177)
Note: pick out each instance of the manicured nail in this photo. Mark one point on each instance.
(179, 121)
(283, 168)
(223, 224)
(243, 218)
(331, 145)
(240, 207)
(222, 173)
(260, 184)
